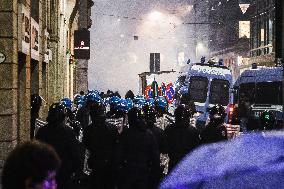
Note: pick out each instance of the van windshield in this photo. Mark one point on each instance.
(247, 92)
(219, 92)
(268, 93)
(198, 88)
(181, 80)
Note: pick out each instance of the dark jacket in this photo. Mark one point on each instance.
(159, 136)
(100, 139)
(181, 139)
(213, 133)
(83, 116)
(63, 140)
(139, 158)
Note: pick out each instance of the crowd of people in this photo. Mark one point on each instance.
(126, 139)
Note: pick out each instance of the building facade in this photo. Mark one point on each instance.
(262, 42)
(36, 47)
(230, 34)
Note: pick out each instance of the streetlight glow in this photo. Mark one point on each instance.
(155, 16)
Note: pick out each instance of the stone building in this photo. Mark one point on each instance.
(36, 47)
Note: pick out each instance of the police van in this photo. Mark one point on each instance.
(260, 88)
(207, 85)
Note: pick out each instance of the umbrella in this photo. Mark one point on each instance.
(254, 160)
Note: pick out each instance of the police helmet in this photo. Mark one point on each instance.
(56, 113)
(150, 102)
(267, 120)
(114, 101)
(138, 98)
(93, 97)
(161, 104)
(129, 103)
(78, 100)
(182, 113)
(67, 103)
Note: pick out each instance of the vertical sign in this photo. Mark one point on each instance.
(154, 62)
(82, 44)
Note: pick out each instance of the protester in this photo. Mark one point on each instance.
(100, 140)
(138, 154)
(181, 136)
(63, 140)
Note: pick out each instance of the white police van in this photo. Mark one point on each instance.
(208, 85)
(261, 88)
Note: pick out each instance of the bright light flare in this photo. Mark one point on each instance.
(155, 16)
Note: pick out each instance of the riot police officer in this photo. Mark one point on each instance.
(181, 136)
(100, 139)
(215, 130)
(62, 138)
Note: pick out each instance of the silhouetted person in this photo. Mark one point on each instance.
(181, 137)
(215, 130)
(138, 153)
(32, 165)
(63, 140)
(150, 118)
(129, 94)
(100, 140)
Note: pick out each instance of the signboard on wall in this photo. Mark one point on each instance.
(34, 40)
(24, 31)
(82, 44)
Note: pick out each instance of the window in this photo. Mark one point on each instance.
(219, 92)
(268, 93)
(247, 90)
(35, 10)
(198, 88)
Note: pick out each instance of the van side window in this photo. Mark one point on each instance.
(198, 88)
(219, 92)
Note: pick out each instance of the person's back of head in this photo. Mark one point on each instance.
(129, 94)
(217, 114)
(136, 118)
(36, 101)
(182, 114)
(56, 114)
(31, 165)
(150, 114)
